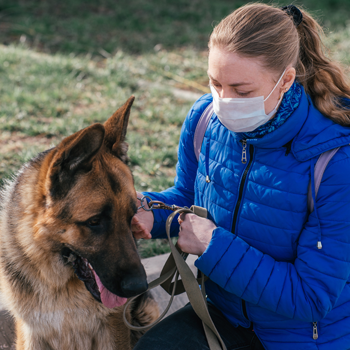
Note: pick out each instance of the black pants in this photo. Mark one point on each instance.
(183, 330)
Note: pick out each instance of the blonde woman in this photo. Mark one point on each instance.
(278, 271)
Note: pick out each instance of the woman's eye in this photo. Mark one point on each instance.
(243, 93)
(214, 84)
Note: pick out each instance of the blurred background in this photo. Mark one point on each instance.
(67, 64)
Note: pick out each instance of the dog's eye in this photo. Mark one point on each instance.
(94, 221)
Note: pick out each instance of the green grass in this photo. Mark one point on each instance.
(154, 247)
(134, 26)
(47, 97)
(69, 64)
(52, 96)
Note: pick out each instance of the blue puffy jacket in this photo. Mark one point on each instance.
(262, 262)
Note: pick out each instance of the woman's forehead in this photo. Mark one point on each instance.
(229, 68)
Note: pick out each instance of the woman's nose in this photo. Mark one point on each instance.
(225, 93)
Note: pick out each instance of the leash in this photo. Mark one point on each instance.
(174, 267)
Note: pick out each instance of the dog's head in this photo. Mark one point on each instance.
(89, 200)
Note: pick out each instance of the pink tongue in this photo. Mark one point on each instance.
(108, 299)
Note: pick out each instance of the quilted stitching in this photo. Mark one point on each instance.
(272, 259)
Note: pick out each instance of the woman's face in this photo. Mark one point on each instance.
(235, 76)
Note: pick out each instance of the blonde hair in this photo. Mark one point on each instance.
(268, 33)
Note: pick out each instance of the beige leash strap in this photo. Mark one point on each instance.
(168, 285)
(176, 265)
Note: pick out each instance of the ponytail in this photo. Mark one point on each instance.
(265, 32)
(322, 79)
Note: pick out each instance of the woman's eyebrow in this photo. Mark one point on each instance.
(234, 84)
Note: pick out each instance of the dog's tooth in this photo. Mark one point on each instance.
(90, 266)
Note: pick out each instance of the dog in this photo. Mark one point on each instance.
(68, 258)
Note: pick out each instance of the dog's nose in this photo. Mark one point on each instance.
(133, 286)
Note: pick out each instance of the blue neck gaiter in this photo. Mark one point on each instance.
(289, 104)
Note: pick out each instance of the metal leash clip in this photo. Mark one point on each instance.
(156, 205)
(144, 198)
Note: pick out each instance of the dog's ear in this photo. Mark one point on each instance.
(75, 154)
(116, 127)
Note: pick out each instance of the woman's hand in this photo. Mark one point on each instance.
(195, 233)
(142, 222)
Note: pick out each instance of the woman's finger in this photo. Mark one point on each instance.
(139, 230)
(142, 235)
(181, 218)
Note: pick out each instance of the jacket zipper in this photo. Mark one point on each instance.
(314, 330)
(240, 193)
(244, 176)
(244, 152)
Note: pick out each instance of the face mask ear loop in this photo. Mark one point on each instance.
(275, 109)
(276, 85)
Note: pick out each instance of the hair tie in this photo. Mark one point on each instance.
(293, 11)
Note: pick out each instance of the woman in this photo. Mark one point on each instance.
(278, 274)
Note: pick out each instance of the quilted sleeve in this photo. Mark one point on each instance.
(307, 289)
(182, 193)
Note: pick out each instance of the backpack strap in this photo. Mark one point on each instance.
(200, 129)
(320, 168)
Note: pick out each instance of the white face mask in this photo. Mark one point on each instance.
(242, 114)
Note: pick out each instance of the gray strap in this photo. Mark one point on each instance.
(320, 168)
(196, 295)
(200, 129)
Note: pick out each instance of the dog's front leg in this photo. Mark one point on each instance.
(26, 341)
(120, 333)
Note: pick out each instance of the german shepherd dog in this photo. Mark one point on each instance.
(68, 259)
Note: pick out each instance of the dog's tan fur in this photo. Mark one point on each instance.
(41, 212)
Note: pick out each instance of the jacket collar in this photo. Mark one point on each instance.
(312, 133)
(318, 135)
(287, 131)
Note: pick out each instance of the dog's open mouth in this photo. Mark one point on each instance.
(93, 284)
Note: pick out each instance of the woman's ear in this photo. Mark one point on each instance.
(288, 79)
